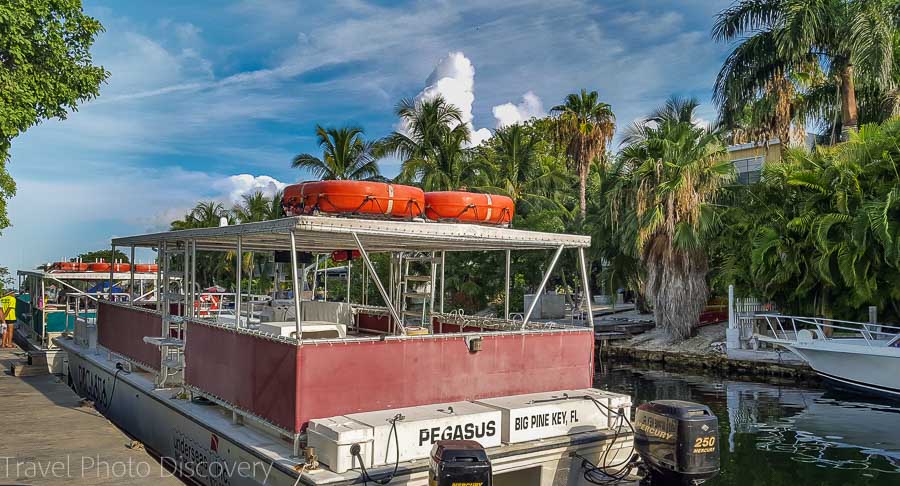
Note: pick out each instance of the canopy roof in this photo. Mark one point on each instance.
(326, 233)
(104, 276)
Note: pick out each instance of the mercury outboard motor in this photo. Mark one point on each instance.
(459, 462)
(678, 441)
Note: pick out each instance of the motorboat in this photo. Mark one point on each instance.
(860, 355)
(352, 387)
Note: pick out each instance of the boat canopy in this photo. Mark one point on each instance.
(327, 233)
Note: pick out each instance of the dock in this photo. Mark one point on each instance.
(48, 435)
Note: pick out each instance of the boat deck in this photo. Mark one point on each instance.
(48, 437)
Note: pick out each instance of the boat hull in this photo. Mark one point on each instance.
(209, 440)
(863, 368)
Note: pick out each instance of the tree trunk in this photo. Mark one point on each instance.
(676, 286)
(582, 192)
(849, 119)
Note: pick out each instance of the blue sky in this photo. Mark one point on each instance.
(210, 99)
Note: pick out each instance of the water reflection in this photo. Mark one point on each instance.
(780, 433)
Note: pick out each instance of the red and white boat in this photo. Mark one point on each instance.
(300, 391)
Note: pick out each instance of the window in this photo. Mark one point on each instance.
(748, 169)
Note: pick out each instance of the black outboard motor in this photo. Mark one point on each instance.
(459, 462)
(678, 441)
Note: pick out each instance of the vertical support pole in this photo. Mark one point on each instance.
(540, 289)
(349, 265)
(112, 270)
(187, 307)
(131, 284)
(159, 263)
(384, 294)
(732, 323)
(315, 278)
(586, 282)
(42, 302)
(325, 280)
(443, 261)
(298, 309)
(506, 295)
(237, 294)
(365, 285)
(194, 276)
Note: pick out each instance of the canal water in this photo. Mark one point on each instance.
(781, 433)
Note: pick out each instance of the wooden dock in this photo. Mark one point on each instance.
(47, 436)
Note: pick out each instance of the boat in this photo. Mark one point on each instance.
(858, 355)
(292, 390)
(49, 302)
(469, 207)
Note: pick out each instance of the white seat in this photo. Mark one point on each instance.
(311, 329)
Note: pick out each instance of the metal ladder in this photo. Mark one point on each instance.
(417, 304)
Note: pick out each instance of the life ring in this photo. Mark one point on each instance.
(146, 267)
(469, 207)
(212, 304)
(354, 198)
(64, 266)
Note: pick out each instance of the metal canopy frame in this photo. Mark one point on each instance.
(317, 234)
(328, 233)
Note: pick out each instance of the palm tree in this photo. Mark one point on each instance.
(677, 171)
(252, 208)
(518, 170)
(433, 146)
(345, 156)
(829, 42)
(206, 214)
(585, 126)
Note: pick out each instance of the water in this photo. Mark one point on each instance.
(781, 434)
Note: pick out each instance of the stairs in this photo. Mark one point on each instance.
(416, 288)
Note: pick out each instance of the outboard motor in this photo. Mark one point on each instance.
(459, 462)
(678, 441)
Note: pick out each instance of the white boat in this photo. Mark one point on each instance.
(859, 355)
(301, 391)
(50, 299)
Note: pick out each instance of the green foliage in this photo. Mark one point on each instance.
(45, 70)
(105, 255)
(675, 174)
(433, 148)
(799, 59)
(345, 156)
(584, 126)
(6, 280)
(822, 229)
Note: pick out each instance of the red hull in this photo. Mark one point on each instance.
(469, 207)
(289, 384)
(355, 198)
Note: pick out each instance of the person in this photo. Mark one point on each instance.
(8, 307)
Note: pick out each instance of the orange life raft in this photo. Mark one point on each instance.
(469, 207)
(100, 266)
(354, 197)
(146, 267)
(69, 266)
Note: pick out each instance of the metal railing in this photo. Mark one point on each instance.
(787, 327)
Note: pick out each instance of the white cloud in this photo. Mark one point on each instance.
(233, 187)
(454, 79)
(509, 114)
